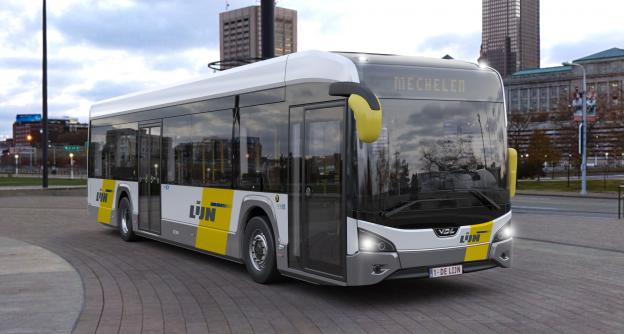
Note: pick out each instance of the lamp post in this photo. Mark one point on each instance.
(16, 164)
(71, 165)
(569, 158)
(44, 99)
(584, 141)
(604, 182)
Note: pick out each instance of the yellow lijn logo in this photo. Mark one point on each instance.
(479, 234)
(106, 197)
(214, 213)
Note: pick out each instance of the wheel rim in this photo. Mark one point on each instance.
(258, 248)
(124, 221)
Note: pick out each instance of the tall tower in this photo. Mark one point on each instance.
(240, 33)
(510, 35)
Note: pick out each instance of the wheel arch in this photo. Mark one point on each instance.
(253, 208)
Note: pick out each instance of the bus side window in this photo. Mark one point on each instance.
(212, 149)
(177, 150)
(261, 148)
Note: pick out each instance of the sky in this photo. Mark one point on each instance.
(99, 49)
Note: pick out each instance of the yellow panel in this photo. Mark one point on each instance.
(106, 196)
(478, 234)
(214, 222)
(513, 170)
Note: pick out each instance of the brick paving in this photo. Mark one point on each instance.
(151, 287)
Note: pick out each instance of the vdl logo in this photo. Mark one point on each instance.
(471, 237)
(102, 196)
(203, 212)
(445, 232)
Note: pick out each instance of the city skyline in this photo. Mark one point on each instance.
(109, 48)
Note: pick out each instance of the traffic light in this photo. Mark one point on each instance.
(29, 137)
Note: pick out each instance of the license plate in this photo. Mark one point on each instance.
(445, 271)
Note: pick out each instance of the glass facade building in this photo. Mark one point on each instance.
(510, 35)
(240, 33)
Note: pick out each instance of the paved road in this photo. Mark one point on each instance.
(566, 206)
(567, 278)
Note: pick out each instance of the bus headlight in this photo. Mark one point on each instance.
(370, 242)
(504, 233)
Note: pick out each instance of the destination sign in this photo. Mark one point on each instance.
(392, 81)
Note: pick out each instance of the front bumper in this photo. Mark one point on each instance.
(365, 268)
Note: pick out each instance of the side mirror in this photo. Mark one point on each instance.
(365, 105)
(512, 161)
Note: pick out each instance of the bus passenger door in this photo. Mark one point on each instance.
(149, 177)
(317, 218)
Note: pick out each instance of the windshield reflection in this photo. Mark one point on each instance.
(434, 154)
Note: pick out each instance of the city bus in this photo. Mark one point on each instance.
(334, 168)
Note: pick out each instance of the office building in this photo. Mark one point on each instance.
(27, 130)
(510, 35)
(549, 99)
(240, 34)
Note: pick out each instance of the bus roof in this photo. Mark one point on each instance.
(306, 66)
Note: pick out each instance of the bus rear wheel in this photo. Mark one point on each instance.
(259, 251)
(125, 220)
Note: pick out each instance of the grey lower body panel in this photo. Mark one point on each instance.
(93, 214)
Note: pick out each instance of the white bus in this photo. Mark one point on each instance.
(333, 168)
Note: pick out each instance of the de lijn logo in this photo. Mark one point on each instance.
(475, 237)
(102, 196)
(208, 213)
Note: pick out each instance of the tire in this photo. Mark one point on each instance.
(124, 221)
(259, 251)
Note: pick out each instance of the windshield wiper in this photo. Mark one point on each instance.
(402, 207)
(484, 199)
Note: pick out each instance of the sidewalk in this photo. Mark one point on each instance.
(566, 194)
(38, 191)
(39, 291)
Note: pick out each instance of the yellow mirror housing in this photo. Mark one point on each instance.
(365, 105)
(512, 172)
(367, 120)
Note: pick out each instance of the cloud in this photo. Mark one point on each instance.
(103, 48)
(556, 54)
(147, 26)
(107, 89)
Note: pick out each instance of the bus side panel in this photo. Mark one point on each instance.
(209, 218)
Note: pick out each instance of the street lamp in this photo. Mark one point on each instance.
(71, 165)
(16, 164)
(604, 183)
(584, 141)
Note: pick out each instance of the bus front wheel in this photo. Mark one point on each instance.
(125, 220)
(259, 251)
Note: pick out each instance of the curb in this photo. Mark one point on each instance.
(563, 194)
(54, 191)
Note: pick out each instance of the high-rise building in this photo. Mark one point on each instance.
(240, 34)
(510, 35)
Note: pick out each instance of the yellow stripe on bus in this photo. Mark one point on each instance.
(479, 252)
(212, 232)
(106, 201)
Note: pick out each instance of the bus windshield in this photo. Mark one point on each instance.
(436, 163)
